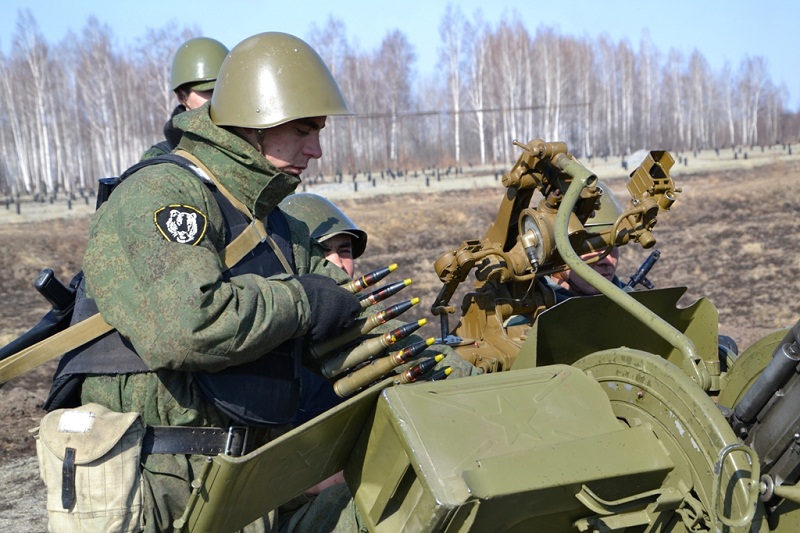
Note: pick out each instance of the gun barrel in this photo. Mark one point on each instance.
(774, 376)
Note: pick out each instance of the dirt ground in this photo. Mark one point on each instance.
(732, 237)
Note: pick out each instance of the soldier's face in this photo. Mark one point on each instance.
(292, 145)
(195, 99)
(339, 251)
(606, 267)
(192, 99)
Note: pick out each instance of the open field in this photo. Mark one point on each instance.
(732, 237)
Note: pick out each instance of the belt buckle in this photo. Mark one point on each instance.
(229, 442)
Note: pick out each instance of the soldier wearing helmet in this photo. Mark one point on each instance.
(194, 70)
(567, 284)
(339, 236)
(205, 345)
(342, 242)
(218, 348)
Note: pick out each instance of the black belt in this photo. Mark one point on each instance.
(195, 440)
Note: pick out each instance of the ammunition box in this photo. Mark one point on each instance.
(506, 451)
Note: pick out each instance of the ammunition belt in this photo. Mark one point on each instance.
(196, 440)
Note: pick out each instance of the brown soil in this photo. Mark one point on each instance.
(731, 237)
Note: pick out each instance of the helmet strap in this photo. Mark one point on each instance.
(260, 139)
(182, 95)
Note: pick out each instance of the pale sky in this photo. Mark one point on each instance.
(722, 30)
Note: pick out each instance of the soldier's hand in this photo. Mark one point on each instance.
(333, 308)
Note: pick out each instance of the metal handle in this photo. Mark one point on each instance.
(752, 496)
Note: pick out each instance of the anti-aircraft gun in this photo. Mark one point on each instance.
(596, 414)
(600, 413)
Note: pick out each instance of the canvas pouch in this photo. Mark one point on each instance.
(89, 459)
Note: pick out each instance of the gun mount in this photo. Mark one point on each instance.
(521, 247)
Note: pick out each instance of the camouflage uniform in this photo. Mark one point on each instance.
(171, 302)
(195, 66)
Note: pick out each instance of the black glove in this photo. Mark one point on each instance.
(333, 309)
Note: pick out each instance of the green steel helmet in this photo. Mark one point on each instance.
(272, 78)
(603, 219)
(197, 62)
(324, 219)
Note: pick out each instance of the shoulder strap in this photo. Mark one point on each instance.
(107, 185)
(53, 346)
(255, 233)
(93, 327)
(164, 146)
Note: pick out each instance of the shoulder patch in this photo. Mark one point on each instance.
(183, 224)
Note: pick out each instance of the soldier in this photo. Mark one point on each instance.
(342, 240)
(211, 357)
(195, 66)
(152, 265)
(567, 284)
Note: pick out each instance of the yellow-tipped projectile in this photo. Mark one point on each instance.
(369, 348)
(378, 368)
(371, 278)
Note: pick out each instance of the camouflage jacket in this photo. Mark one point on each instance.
(175, 305)
(171, 300)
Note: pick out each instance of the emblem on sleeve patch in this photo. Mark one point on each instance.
(183, 224)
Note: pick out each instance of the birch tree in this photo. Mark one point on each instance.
(396, 57)
(31, 45)
(752, 73)
(477, 76)
(452, 30)
(331, 44)
(646, 83)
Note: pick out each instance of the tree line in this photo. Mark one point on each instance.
(85, 108)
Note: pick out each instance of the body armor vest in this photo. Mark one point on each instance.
(262, 392)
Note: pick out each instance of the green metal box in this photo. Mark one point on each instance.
(508, 451)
